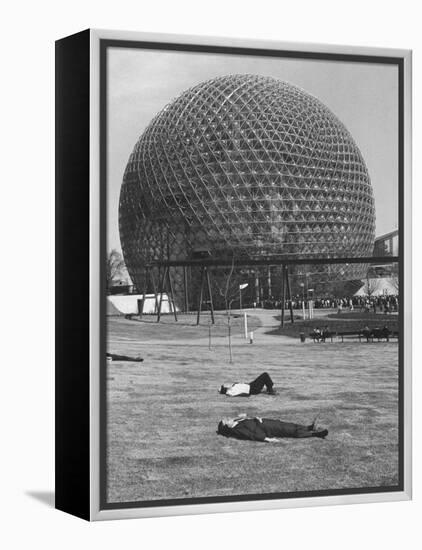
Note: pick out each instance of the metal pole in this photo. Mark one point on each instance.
(271, 260)
(155, 289)
(306, 279)
(172, 295)
(246, 325)
(289, 295)
(161, 294)
(240, 306)
(200, 296)
(257, 297)
(283, 295)
(185, 284)
(269, 282)
(141, 309)
(210, 295)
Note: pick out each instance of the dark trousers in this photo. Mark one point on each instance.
(115, 357)
(278, 428)
(258, 384)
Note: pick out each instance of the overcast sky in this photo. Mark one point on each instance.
(363, 96)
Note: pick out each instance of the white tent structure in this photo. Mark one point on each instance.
(382, 286)
(128, 305)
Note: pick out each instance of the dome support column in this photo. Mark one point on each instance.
(148, 276)
(205, 276)
(166, 280)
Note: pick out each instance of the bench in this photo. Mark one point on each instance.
(357, 333)
(374, 333)
(377, 333)
(323, 336)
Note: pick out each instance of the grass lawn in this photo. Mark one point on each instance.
(163, 413)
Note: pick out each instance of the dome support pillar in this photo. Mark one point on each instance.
(205, 276)
(166, 280)
(148, 276)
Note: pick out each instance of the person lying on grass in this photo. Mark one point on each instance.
(253, 388)
(115, 357)
(266, 429)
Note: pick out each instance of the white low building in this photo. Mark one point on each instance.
(382, 286)
(128, 304)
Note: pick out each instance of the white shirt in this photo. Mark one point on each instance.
(238, 389)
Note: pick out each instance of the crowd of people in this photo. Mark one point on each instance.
(376, 304)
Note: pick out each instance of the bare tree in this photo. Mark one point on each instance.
(229, 292)
(371, 286)
(395, 282)
(114, 266)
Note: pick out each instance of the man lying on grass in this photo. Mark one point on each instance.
(115, 357)
(266, 429)
(253, 388)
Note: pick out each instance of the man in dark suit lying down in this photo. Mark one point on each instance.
(266, 429)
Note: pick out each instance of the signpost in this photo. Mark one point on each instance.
(242, 287)
(311, 304)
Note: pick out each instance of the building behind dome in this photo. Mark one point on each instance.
(250, 167)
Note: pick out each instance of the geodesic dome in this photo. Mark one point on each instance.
(248, 166)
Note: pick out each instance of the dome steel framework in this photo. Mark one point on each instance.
(245, 166)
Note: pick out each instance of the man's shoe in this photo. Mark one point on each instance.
(271, 392)
(320, 433)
